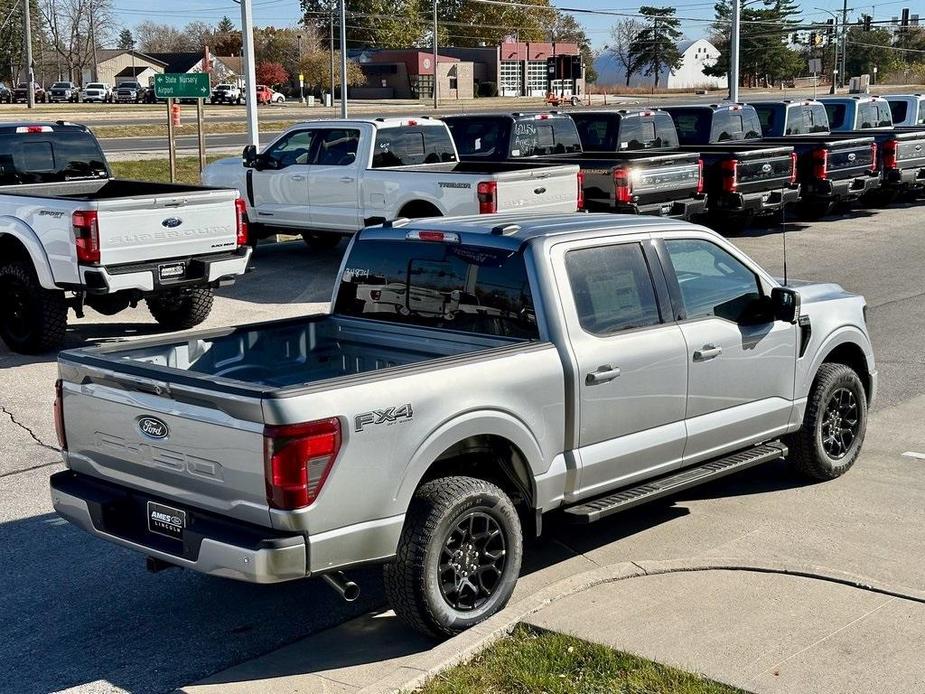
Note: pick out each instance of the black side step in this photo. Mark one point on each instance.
(601, 507)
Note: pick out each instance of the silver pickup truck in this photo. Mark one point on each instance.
(473, 375)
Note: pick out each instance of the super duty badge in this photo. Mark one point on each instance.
(388, 416)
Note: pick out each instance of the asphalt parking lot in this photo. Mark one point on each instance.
(83, 614)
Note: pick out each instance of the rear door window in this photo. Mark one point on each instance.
(399, 147)
(612, 288)
(337, 147)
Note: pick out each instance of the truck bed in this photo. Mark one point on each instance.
(282, 355)
(99, 189)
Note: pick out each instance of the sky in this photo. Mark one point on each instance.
(695, 13)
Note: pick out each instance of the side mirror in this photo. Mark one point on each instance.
(249, 155)
(786, 303)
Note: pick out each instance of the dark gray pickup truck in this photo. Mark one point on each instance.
(743, 176)
(831, 168)
(901, 152)
(629, 160)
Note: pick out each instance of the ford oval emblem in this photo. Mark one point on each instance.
(171, 222)
(852, 156)
(766, 168)
(153, 428)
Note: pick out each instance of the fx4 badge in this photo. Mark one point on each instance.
(388, 416)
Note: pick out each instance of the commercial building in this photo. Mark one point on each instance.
(410, 74)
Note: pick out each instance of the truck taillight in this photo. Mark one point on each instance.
(793, 168)
(581, 190)
(488, 197)
(873, 156)
(240, 221)
(700, 177)
(86, 236)
(821, 164)
(622, 186)
(730, 172)
(297, 460)
(889, 154)
(59, 415)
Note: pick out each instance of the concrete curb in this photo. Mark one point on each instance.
(466, 645)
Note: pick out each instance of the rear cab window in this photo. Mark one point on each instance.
(647, 132)
(481, 137)
(540, 136)
(837, 114)
(50, 157)
(900, 108)
(772, 118)
(439, 285)
(692, 124)
(410, 146)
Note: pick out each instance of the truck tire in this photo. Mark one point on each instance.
(456, 528)
(178, 309)
(32, 319)
(833, 426)
(321, 242)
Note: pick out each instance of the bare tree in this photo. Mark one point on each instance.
(76, 29)
(623, 33)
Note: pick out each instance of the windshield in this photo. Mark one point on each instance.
(439, 285)
(61, 85)
(95, 85)
(480, 137)
(50, 157)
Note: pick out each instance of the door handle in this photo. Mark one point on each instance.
(297, 177)
(707, 352)
(603, 374)
(346, 179)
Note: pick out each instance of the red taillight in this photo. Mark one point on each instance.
(33, 129)
(700, 177)
(297, 460)
(793, 168)
(59, 415)
(889, 154)
(873, 156)
(581, 190)
(488, 197)
(730, 171)
(241, 221)
(86, 236)
(821, 164)
(430, 235)
(622, 186)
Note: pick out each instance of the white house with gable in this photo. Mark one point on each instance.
(695, 56)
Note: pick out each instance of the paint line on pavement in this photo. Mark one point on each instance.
(913, 454)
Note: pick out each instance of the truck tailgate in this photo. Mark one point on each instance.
(765, 169)
(667, 177)
(159, 227)
(546, 189)
(850, 158)
(183, 445)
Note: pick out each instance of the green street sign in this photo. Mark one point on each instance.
(186, 85)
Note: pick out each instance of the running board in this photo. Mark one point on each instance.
(601, 507)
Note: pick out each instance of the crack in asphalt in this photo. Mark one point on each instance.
(29, 431)
(30, 469)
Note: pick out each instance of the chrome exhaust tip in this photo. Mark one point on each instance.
(347, 589)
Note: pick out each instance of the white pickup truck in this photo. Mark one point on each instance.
(73, 236)
(329, 178)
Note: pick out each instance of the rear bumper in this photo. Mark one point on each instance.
(762, 202)
(847, 189)
(211, 545)
(144, 277)
(675, 209)
(898, 179)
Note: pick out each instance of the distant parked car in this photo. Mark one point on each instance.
(6, 94)
(130, 92)
(64, 91)
(225, 93)
(97, 91)
(21, 93)
(267, 95)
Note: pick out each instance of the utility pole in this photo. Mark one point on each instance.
(250, 71)
(343, 59)
(734, 51)
(436, 76)
(331, 46)
(96, 65)
(30, 92)
(301, 88)
(844, 41)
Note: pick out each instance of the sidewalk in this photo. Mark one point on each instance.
(758, 580)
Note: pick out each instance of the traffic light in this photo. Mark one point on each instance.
(815, 39)
(867, 20)
(830, 27)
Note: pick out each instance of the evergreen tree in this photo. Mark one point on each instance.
(126, 41)
(655, 47)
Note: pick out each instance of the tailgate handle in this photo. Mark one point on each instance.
(172, 202)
